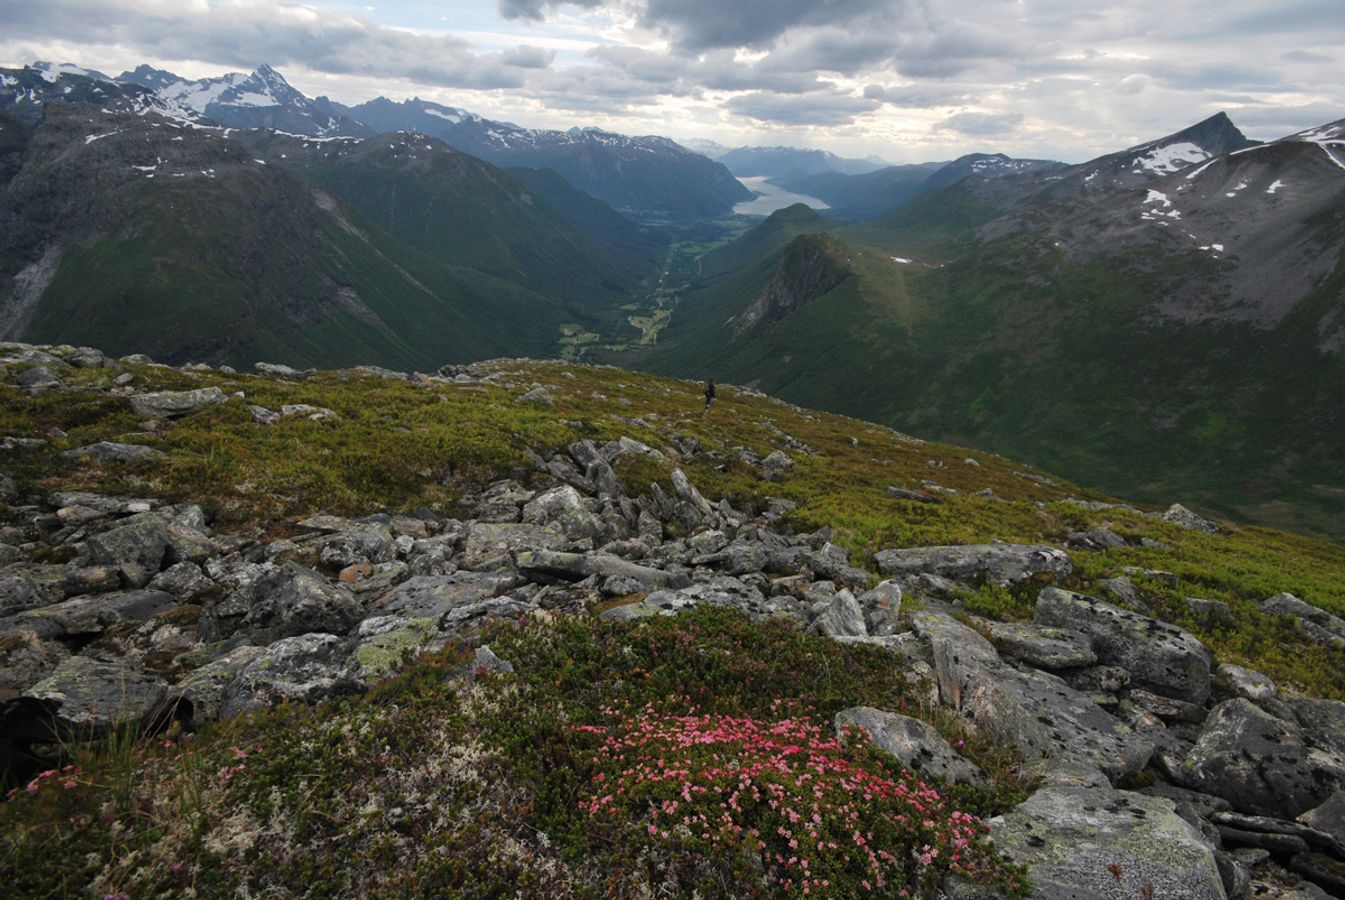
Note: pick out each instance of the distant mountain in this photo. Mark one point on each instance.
(637, 174)
(872, 194)
(262, 99)
(136, 233)
(26, 92)
(791, 162)
(712, 149)
(1175, 328)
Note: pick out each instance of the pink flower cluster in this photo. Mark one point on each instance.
(68, 778)
(816, 815)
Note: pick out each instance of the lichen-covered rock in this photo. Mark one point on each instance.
(1317, 625)
(564, 508)
(112, 451)
(1161, 658)
(183, 580)
(1180, 515)
(1242, 682)
(383, 643)
(432, 596)
(85, 697)
(918, 745)
(1042, 646)
(1097, 842)
(293, 601)
(140, 541)
(94, 613)
(841, 617)
(1048, 722)
(1259, 763)
(882, 608)
(304, 668)
(203, 689)
(25, 659)
(171, 404)
(1001, 564)
(490, 545)
(1044, 719)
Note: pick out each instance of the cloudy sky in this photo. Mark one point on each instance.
(906, 80)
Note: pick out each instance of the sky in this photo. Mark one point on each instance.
(902, 80)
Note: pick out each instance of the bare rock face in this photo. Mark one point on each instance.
(85, 697)
(1161, 658)
(1260, 764)
(1095, 842)
(919, 746)
(1048, 722)
(304, 668)
(1001, 564)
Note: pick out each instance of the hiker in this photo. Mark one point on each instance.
(709, 393)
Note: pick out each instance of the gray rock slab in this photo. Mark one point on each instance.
(841, 617)
(87, 697)
(1260, 764)
(1070, 838)
(491, 545)
(304, 668)
(1042, 646)
(1161, 658)
(171, 404)
(95, 613)
(917, 744)
(1045, 720)
(111, 451)
(1002, 564)
(432, 596)
(204, 687)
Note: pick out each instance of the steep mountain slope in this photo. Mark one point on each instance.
(1198, 317)
(130, 232)
(262, 99)
(457, 208)
(640, 174)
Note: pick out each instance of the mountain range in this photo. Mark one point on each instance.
(1167, 318)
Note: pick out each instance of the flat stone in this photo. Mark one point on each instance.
(1044, 647)
(172, 404)
(491, 545)
(110, 451)
(433, 596)
(304, 668)
(1001, 564)
(84, 697)
(1077, 842)
(95, 613)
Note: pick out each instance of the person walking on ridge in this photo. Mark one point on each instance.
(709, 394)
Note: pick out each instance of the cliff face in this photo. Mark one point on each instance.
(812, 266)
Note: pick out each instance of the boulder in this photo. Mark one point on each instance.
(1002, 564)
(1259, 763)
(172, 404)
(433, 596)
(183, 580)
(538, 396)
(1049, 723)
(1097, 842)
(1329, 817)
(384, 642)
(659, 603)
(918, 745)
(1161, 658)
(308, 411)
(1317, 624)
(575, 566)
(25, 659)
(882, 608)
(110, 451)
(292, 600)
(94, 613)
(1245, 683)
(841, 617)
(203, 689)
(1211, 613)
(358, 543)
(491, 545)
(565, 509)
(1180, 515)
(140, 541)
(1041, 646)
(304, 668)
(85, 697)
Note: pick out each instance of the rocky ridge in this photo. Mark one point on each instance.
(120, 608)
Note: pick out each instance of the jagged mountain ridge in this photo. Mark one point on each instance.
(25, 93)
(640, 174)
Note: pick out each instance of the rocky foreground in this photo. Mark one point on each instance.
(1151, 765)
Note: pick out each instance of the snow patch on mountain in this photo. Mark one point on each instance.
(1167, 159)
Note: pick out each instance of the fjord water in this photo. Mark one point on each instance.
(771, 197)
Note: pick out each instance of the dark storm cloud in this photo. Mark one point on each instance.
(818, 108)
